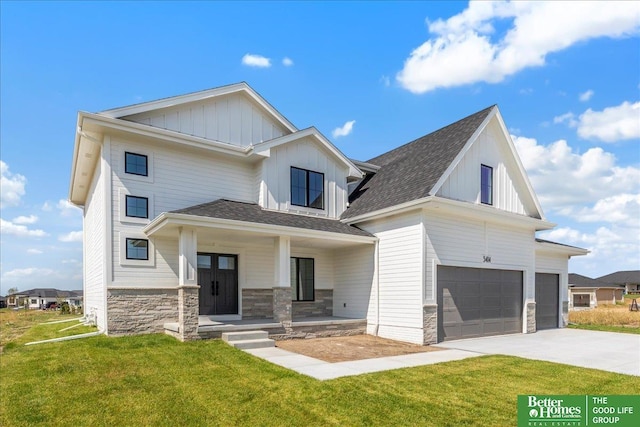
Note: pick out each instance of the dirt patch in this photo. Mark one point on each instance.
(357, 347)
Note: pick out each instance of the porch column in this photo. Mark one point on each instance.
(282, 281)
(188, 303)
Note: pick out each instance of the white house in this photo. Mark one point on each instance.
(211, 211)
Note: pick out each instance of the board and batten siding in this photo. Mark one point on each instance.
(177, 179)
(509, 190)
(94, 248)
(233, 119)
(304, 154)
(400, 275)
(463, 242)
(354, 294)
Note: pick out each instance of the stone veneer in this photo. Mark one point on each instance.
(430, 324)
(282, 305)
(188, 311)
(565, 313)
(321, 306)
(140, 311)
(531, 317)
(257, 303)
(311, 329)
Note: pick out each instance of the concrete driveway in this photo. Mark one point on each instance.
(608, 351)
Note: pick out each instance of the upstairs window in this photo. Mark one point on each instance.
(302, 283)
(137, 207)
(136, 164)
(486, 185)
(307, 188)
(137, 249)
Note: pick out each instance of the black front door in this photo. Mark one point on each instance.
(218, 280)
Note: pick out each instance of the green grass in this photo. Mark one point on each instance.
(154, 380)
(608, 328)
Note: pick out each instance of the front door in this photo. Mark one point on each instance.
(218, 280)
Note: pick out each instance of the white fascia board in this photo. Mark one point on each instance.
(263, 148)
(391, 210)
(367, 167)
(167, 219)
(200, 96)
(76, 149)
(560, 249)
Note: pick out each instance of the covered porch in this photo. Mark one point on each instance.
(244, 268)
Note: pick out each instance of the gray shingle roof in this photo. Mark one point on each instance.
(49, 293)
(410, 171)
(251, 212)
(585, 282)
(622, 277)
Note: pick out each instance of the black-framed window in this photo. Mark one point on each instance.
(136, 164)
(307, 188)
(302, 279)
(137, 207)
(138, 249)
(486, 184)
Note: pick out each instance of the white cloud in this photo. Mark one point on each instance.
(287, 62)
(31, 219)
(259, 61)
(11, 229)
(46, 207)
(585, 96)
(34, 251)
(622, 209)
(345, 130)
(462, 50)
(568, 118)
(11, 186)
(70, 261)
(67, 208)
(19, 273)
(74, 236)
(611, 124)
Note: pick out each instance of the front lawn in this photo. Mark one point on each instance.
(156, 380)
(607, 317)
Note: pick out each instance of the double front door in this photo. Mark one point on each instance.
(218, 280)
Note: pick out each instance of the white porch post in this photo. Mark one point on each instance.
(282, 281)
(188, 303)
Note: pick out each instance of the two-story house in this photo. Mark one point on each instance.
(212, 210)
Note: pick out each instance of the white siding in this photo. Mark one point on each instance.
(177, 179)
(400, 275)
(323, 265)
(354, 294)
(304, 154)
(234, 119)
(460, 241)
(94, 248)
(509, 190)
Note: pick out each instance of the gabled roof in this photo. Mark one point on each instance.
(585, 282)
(411, 171)
(622, 277)
(48, 293)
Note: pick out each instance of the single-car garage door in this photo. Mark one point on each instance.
(547, 300)
(475, 302)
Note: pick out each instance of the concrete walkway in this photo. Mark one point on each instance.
(322, 370)
(608, 351)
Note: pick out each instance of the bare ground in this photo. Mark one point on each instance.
(357, 347)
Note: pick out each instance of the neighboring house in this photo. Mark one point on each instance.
(585, 292)
(630, 280)
(211, 210)
(42, 297)
(3, 302)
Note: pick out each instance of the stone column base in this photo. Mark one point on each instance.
(430, 324)
(565, 313)
(188, 311)
(531, 317)
(282, 305)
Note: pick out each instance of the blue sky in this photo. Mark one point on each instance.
(370, 76)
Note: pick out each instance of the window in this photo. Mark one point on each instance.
(307, 188)
(135, 164)
(34, 301)
(137, 207)
(486, 185)
(137, 249)
(302, 286)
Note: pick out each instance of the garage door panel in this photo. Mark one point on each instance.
(475, 302)
(547, 300)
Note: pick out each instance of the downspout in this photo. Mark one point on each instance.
(377, 280)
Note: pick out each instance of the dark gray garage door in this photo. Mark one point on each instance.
(547, 300)
(475, 302)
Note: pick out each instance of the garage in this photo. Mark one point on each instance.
(476, 302)
(547, 300)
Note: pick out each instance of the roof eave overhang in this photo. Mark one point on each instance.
(560, 249)
(167, 220)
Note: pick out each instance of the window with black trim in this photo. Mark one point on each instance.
(302, 279)
(137, 207)
(307, 188)
(136, 164)
(486, 184)
(137, 249)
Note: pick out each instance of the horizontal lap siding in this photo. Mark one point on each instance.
(354, 293)
(323, 265)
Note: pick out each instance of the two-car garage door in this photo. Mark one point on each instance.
(475, 302)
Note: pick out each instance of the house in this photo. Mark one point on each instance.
(630, 280)
(40, 298)
(3, 302)
(585, 292)
(210, 211)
